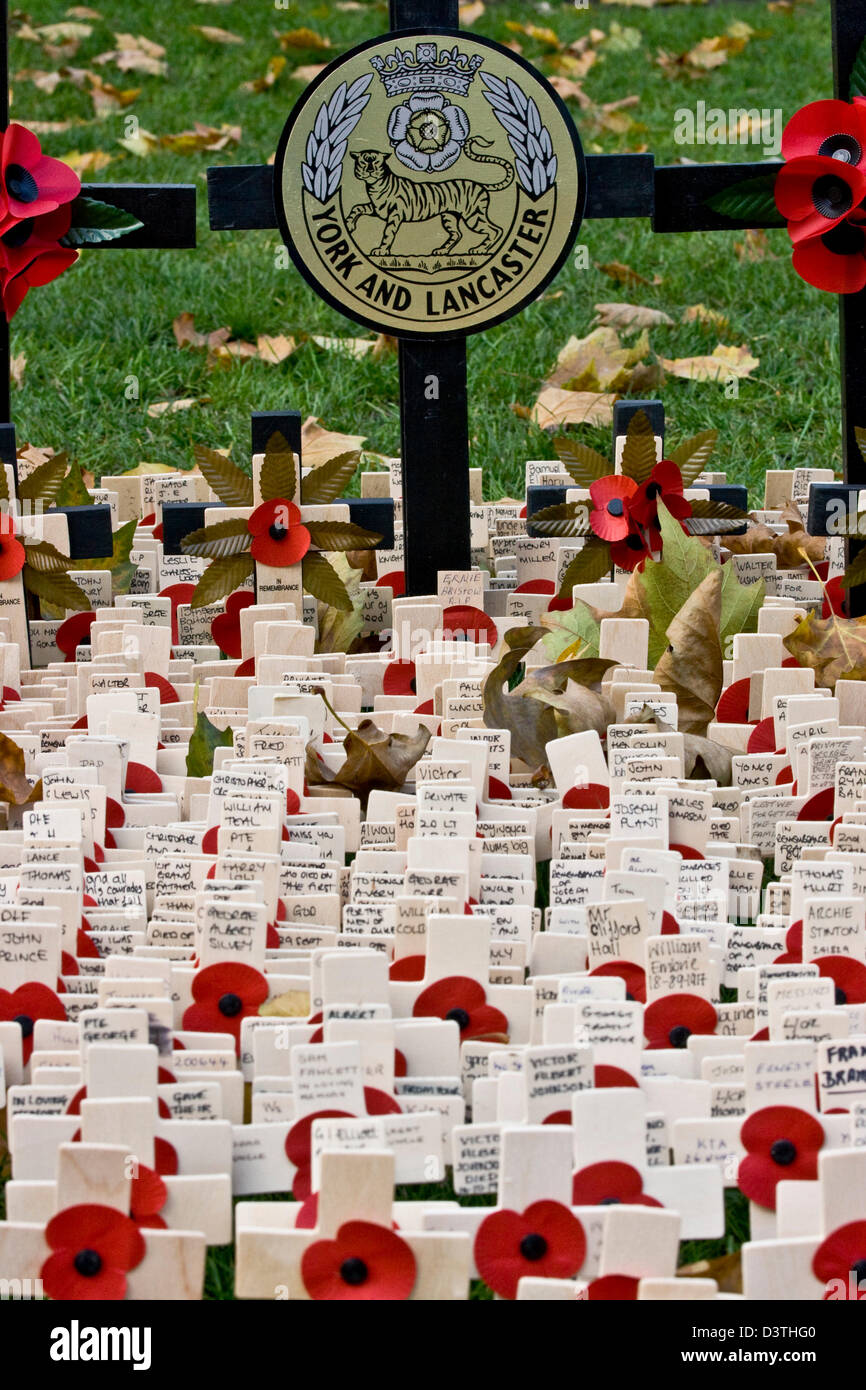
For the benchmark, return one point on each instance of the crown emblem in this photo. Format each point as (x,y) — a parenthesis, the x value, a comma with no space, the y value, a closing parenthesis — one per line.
(428,71)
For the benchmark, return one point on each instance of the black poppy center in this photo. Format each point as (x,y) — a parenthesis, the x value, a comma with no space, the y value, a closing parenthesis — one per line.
(783,1152)
(630,998)
(844,240)
(841,996)
(230,1005)
(17,235)
(832,196)
(653,490)
(353,1271)
(21,184)
(88,1262)
(615,507)
(26,1024)
(842,147)
(533,1246)
(679,1036)
(858,1268)
(460,1017)
(278,532)
(610,1201)
(634,543)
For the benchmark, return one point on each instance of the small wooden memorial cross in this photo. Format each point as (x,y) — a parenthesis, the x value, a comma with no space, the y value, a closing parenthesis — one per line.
(433,395)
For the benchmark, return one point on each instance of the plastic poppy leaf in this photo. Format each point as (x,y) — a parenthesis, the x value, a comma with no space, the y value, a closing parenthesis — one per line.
(73,490)
(279,476)
(691,667)
(56,588)
(750,201)
(230,484)
(834,647)
(592,562)
(44,556)
(531,723)
(374,760)
(329,481)
(341,535)
(218,541)
(322,581)
(639,449)
(43,484)
(222,577)
(14,786)
(692,456)
(717,511)
(118,562)
(563,519)
(582,464)
(204,741)
(94,221)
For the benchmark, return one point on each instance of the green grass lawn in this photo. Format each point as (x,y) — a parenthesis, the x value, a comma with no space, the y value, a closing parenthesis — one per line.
(110,317)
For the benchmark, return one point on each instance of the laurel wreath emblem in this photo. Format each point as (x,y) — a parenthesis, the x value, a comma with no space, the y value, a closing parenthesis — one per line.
(328,140)
(518,114)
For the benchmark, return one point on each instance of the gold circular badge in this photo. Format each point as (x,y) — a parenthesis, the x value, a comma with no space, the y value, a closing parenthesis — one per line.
(429,184)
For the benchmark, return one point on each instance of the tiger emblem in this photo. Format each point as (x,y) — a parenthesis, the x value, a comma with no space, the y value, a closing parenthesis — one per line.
(462,204)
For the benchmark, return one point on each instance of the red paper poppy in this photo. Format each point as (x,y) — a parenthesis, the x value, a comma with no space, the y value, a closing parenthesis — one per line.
(632,550)
(848,975)
(670,925)
(377,1102)
(536,586)
(685,851)
(399,678)
(23,241)
(33,183)
(225,995)
(665,484)
(165,1159)
(93,1247)
(12,553)
(298,1149)
(177,594)
(408,968)
(821,806)
(395,581)
(815,194)
(613,1288)
(733,706)
(607,1184)
(148,1197)
(279,538)
(834,598)
(463,1001)
(497,790)
(833,129)
(794,938)
(226,627)
(835,262)
(633,975)
(671,1020)
(142,779)
(606,1076)
(546,1241)
(166,691)
(44,268)
(841,1255)
(609,518)
(467,624)
(781,1143)
(73,633)
(595,796)
(762,739)
(24,1006)
(365,1262)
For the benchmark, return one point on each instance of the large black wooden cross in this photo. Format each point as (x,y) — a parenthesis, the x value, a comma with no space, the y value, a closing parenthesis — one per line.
(435,444)
(167,212)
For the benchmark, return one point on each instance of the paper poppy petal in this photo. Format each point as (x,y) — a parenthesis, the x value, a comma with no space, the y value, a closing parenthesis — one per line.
(210,984)
(408,968)
(389,1264)
(104,1229)
(613,1288)
(677,1011)
(827,270)
(474,622)
(809,127)
(634,977)
(606,1182)
(848,975)
(62,1282)
(605,1076)
(501,1254)
(399,678)
(840,1252)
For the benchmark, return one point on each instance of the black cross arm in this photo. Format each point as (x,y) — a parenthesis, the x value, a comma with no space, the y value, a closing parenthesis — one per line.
(674,196)
(167,211)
